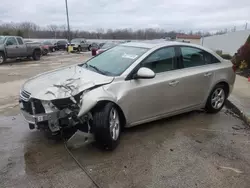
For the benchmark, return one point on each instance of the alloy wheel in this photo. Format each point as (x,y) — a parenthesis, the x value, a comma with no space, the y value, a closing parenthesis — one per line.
(218,98)
(114,124)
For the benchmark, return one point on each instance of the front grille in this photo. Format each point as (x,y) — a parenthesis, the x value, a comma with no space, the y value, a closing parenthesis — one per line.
(27,106)
(24,95)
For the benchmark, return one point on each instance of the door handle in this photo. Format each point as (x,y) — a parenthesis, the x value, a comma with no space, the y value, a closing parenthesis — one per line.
(173,83)
(208,74)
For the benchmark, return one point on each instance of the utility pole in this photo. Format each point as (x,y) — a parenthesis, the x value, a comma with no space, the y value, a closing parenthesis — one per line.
(246,26)
(66,2)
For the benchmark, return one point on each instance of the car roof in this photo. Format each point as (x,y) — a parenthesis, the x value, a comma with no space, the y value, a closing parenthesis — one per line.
(157,43)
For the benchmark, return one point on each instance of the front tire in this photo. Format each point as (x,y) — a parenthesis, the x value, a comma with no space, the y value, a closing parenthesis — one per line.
(79,48)
(216,99)
(2,58)
(107,126)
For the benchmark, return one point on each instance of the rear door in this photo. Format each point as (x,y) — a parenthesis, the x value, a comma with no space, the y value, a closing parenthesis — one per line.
(22,49)
(11,47)
(196,75)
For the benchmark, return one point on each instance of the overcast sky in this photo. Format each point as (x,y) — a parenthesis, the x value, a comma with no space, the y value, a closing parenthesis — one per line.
(92,14)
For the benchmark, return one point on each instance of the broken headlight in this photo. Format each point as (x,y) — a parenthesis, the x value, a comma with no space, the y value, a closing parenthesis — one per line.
(67,102)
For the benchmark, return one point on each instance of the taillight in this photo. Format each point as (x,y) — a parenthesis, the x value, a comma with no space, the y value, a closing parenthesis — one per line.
(234,67)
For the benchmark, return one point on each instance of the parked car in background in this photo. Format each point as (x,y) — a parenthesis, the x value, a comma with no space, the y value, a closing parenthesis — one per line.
(61,45)
(107,46)
(95,47)
(130,84)
(51,46)
(45,49)
(15,47)
(101,44)
(80,44)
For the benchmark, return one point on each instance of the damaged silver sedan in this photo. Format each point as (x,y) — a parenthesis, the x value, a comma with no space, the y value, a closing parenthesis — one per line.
(130,84)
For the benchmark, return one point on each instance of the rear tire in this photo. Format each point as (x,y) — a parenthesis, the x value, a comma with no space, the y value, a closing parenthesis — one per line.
(216,99)
(36,55)
(107,126)
(2,58)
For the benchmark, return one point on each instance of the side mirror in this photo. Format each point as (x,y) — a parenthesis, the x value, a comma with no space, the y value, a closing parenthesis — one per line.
(144,73)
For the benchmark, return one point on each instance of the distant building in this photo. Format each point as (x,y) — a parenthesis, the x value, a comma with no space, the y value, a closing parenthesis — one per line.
(228,43)
(195,39)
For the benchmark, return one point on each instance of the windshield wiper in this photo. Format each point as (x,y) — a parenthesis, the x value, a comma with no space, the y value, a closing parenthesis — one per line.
(98,70)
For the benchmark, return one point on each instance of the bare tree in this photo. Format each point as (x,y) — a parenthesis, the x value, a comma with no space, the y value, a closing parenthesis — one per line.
(54,29)
(32,30)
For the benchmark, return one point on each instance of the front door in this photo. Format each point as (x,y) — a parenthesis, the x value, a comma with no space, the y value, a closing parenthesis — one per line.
(22,49)
(149,98)
(11,47)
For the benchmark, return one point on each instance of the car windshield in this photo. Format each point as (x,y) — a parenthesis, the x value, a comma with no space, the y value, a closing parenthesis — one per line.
(115,61)
(47,43)
(2,39)
(62,42)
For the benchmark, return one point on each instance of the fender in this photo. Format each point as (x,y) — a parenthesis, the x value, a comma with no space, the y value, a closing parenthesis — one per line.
(4,52)
(92,97)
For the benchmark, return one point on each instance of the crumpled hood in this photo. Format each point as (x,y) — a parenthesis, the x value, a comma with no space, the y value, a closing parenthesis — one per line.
(64,82)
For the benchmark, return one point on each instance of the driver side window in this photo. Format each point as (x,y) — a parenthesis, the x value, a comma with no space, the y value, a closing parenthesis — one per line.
(11,41)
(161,60)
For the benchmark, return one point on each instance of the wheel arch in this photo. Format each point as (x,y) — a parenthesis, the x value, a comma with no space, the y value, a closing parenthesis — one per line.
(3,52)
(94,99)
(37,49)
(225,83)
(101,103)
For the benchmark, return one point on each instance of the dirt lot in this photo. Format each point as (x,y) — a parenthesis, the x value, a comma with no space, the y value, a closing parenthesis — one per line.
(190,150)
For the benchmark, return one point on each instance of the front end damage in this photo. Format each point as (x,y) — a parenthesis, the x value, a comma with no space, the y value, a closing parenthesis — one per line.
(59,115)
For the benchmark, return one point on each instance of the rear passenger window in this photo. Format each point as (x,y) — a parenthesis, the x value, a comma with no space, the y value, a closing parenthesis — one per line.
(210,59)
(20,41)
(193,57)
(161,60)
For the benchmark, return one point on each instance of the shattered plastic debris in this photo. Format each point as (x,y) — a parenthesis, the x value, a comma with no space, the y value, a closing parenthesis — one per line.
(80,139)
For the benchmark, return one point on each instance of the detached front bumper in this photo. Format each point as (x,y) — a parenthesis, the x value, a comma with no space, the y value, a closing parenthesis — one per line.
(52,119)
